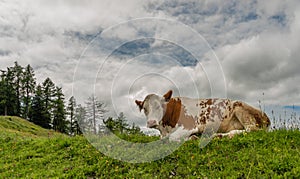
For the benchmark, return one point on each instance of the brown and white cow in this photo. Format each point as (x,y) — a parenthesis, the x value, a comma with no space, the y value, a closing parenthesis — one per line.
(181,117)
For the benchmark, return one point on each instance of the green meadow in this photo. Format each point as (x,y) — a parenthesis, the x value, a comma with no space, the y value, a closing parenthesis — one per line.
(29,151)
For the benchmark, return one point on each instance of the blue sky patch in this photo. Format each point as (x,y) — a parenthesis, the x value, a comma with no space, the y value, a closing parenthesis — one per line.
(293,107)
(144,46)
(280,19)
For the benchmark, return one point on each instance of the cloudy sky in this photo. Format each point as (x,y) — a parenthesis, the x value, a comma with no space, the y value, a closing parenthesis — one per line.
(123,50)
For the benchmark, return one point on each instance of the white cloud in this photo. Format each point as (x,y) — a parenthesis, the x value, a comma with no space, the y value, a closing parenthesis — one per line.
(37,32)
(265,63)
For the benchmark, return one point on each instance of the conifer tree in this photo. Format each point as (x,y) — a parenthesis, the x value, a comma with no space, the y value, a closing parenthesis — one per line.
(11,99)
(48,93)
(122,123)
(16,74)
(119,124)
(38,111)
(59,113)
(28,86)
(4,98)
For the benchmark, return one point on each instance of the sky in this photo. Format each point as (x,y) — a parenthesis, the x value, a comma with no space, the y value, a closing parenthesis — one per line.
(124,50)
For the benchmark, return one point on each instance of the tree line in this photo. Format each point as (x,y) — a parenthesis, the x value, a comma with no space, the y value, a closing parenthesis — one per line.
(44,104)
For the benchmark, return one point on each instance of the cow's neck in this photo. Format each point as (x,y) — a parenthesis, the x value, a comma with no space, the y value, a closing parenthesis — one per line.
(172,112)
(176,114)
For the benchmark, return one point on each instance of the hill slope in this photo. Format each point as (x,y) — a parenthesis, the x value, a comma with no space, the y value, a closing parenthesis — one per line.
(32,154)
(18,127)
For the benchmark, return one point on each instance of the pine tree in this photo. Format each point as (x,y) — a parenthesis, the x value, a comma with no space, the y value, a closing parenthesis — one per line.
(119,124)
(3,94)
(38,113)
(48,93)
(71,112)
(16,73)
(109,124)
(76,129)
(28,86)
(59,119)
(11,99)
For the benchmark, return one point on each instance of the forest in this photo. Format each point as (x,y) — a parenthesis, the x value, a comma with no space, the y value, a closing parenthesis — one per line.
(45,105)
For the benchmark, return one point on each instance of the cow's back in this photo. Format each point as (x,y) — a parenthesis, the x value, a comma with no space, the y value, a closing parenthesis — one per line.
(225,112)
(205,111)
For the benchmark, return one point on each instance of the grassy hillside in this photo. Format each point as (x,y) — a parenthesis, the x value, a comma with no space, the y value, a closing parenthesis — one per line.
(28,151)
(19,128)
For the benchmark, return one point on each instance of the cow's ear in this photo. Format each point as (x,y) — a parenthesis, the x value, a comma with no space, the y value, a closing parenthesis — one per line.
(139,103)
(168,95)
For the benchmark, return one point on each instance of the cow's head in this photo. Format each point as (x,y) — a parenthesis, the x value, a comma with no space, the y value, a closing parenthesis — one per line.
(154,107)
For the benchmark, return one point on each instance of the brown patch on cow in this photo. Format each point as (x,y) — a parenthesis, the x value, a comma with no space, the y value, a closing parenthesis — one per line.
(202,104)
(203,120)
(208,111)
(237,104)
(172,112)
(209,102)
(227,102)
(203,117)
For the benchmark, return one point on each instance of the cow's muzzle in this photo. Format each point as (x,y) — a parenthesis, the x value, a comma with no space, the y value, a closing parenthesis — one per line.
(152,123)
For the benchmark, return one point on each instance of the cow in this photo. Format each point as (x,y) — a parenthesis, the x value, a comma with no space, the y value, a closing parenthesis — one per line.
(181,117)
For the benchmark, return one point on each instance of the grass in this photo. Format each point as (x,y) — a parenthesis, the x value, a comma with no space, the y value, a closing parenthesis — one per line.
(28,151)
(19,128)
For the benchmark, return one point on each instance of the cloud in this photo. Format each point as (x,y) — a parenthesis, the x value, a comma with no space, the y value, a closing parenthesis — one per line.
(52,35)
(267,63)
(230,21)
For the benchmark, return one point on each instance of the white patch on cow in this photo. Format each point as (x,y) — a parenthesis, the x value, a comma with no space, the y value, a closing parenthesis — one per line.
(181,134)
(190,106)
(153,109)
(224,108)
(155,112)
